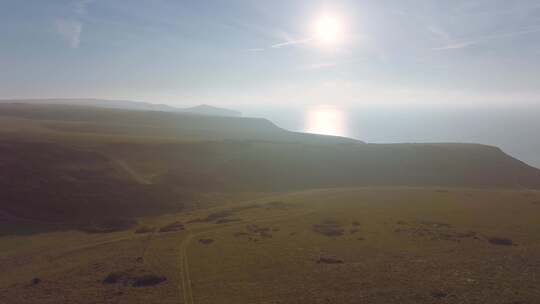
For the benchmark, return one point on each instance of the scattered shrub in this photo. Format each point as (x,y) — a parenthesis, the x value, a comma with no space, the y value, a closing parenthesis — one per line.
(145,229)
(176,226)
(238,234)
(216,216)
(439,294)
(113,278)
(226,220)
(108,225)
(206,241)
(128,278)
(148,280)
(500,241)
(329,228)
(277,205)
(327,260)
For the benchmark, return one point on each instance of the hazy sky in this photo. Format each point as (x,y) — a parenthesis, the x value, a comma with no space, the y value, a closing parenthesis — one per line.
(231,52)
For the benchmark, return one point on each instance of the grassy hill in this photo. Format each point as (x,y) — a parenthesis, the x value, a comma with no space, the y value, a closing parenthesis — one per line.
(356,245)
(152,125)
(77,163)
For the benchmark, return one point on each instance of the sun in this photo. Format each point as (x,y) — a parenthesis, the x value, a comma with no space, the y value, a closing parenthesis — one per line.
(329,30)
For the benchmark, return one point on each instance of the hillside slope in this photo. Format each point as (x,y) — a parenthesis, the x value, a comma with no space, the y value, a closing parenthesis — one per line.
(60,162)
(267,166)
(82,120)
(57,183)
(125,105)
(212,111)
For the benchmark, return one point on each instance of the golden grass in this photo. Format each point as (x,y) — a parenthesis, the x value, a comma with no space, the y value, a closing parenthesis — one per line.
(412,245)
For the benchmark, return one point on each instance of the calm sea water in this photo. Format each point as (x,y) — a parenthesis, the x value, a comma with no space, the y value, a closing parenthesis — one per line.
(516,130)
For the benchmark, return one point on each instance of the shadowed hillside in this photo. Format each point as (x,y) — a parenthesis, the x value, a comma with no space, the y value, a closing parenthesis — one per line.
(61,162)
(57,183)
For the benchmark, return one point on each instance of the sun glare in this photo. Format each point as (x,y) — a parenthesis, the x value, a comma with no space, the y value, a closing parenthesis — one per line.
(329,30)
(325,120)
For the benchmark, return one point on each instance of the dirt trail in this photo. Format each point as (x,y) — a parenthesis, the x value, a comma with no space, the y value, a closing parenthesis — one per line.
(135,175)
(184,270)
(184,263)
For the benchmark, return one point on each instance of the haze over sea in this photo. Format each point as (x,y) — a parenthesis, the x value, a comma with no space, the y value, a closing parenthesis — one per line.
(512,128)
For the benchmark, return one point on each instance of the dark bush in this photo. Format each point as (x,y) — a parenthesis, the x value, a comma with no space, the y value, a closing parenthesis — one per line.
(329,228)
(439,294)
(206,241)
(176,226)
(113,278)
(145,229)
(108,225)
(327,260)
(500,241)
(148,280)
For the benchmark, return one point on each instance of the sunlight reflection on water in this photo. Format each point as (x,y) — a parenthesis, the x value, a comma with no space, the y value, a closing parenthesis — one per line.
(326,119)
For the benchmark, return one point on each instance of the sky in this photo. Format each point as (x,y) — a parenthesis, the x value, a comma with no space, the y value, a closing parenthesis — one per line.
(272,52)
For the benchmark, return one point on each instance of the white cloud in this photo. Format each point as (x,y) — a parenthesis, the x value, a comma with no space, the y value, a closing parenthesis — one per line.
(439,33)
(70,30)
(80,8)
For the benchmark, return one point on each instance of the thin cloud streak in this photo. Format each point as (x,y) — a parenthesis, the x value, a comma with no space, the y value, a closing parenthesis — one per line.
(457,45)
(467,43)
(292,42)
(80,8)
(70,31)
(282,44)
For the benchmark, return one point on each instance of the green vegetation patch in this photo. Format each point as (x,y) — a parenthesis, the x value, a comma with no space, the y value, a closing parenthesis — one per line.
(206,241)
(172,227)
(329,228)
(136,280)
(329,260)
(277,205)
(434,231)
(108,225)
(145,229)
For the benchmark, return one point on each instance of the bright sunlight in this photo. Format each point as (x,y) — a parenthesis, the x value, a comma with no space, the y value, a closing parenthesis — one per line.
(326,120)
(329,30)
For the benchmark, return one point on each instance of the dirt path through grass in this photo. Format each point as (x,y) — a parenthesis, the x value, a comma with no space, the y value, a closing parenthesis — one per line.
(135,175)
(184,263)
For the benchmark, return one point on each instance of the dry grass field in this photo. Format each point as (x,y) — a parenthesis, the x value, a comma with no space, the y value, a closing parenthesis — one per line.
(348,245)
